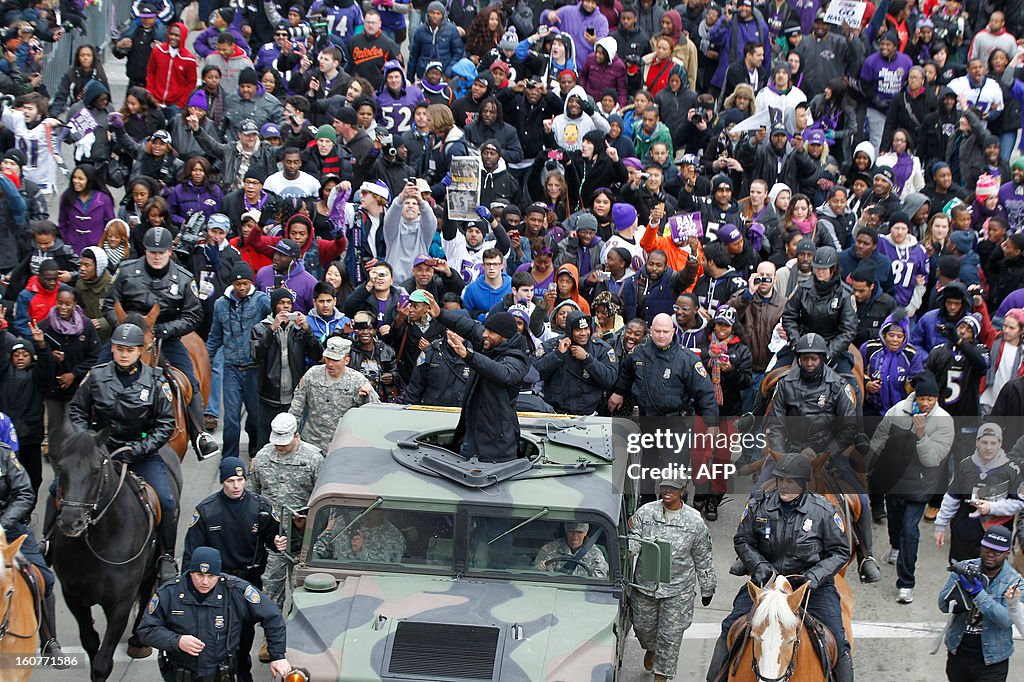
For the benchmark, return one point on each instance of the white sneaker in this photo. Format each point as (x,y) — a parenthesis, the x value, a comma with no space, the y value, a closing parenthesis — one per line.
(905,596)
(892,557)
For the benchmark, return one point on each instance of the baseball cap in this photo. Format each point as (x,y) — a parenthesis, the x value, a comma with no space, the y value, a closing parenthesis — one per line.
(249,127)
(990,429)
(288,247)
(677,483)
(885,173)
(161,135)
(337,348)
(577,527)
(268,130)
(419,296)
(728,233)
(997,538)
(284,425)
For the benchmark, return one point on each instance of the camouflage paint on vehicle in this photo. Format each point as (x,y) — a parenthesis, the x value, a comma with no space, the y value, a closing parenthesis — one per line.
(456,617)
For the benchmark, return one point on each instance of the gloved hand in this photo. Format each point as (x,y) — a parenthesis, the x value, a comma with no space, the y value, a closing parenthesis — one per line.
(587,105)
(971,586)
(705,601)
(812,582)
(761,574)
(755,234)
(161,332)
(484,213)
(115,119)
(447,179)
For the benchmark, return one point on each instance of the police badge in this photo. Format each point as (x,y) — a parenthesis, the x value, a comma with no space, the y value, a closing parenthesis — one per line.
(218,622)
(667,374)
(808,524)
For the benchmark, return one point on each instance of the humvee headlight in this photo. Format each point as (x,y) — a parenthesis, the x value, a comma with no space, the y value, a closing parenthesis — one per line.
(296,676)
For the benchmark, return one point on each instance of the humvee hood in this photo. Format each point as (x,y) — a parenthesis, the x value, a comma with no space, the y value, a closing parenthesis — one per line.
(420,627)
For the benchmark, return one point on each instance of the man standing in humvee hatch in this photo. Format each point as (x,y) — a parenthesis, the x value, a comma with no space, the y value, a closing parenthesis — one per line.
(488,426)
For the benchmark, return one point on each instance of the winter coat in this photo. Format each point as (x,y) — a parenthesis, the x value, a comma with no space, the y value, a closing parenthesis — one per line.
(80,354)
(172,78)
(83,226)
(596,78)
(262,108)
(265,344)
(229,156)
(759,316)
(442,44)
(186,198)
(233,322)
(828,313)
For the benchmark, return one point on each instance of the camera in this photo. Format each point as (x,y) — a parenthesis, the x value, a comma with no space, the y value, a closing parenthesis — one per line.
(762,280)
(190,234)
(968,570)
(293,316)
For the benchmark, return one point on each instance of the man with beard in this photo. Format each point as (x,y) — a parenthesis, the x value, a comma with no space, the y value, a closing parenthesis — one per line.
(488,426)
(649,291)
(577,368)
(489,125)
(823,306)
(1011,195)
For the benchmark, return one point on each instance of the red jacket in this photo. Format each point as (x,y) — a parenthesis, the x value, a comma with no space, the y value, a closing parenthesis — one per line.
(171,79)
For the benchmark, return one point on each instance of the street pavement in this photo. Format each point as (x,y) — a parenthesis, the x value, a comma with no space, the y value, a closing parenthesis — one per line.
(891,641)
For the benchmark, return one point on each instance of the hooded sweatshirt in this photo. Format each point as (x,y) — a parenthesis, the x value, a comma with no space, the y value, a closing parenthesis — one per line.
(573,272)
(573,20)
(895,369)
(569,131)
(395,109)
(229,68)
(596,78)
(172,73)
(909,260)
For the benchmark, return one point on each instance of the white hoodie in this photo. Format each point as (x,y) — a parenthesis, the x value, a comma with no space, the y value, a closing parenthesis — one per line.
(568,131)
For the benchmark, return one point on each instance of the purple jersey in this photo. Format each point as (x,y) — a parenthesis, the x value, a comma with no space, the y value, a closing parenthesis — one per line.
(1011,197)
(907,263)
(890,77)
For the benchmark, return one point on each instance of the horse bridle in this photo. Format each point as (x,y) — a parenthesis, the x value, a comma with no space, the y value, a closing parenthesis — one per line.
(5,624)
(790,669)
(91,507)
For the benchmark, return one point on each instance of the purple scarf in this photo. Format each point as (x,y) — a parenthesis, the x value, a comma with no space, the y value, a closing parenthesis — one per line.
(73,327)
(901,171)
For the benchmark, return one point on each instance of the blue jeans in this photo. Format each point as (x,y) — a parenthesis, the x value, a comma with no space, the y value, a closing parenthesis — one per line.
(904,518)
(240,389)
(823,604)
(216,381)
(30,550)
(1006,143)
(748,394)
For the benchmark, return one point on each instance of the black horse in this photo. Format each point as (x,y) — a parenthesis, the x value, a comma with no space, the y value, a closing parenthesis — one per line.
(105,553)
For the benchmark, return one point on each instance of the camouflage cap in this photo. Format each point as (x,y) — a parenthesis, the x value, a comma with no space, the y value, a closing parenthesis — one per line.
(577,527)
(677,483)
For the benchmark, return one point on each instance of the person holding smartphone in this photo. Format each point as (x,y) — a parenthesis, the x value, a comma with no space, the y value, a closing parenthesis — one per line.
(584,22)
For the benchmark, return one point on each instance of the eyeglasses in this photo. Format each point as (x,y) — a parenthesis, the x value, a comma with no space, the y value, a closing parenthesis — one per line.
(681,308)
(281,34)
(492,265)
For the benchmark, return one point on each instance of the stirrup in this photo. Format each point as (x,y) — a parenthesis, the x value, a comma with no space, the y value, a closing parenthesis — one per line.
(205,446)
(167,569)
(869,570)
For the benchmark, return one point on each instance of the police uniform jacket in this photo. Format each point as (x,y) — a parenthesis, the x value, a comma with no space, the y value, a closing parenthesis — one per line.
(16,495)
(577,386)
(667,382)
(140,416)
(811,540)
(174,291)
(830,314)
(216,620)
(811,414)
(242,530)
(439,378)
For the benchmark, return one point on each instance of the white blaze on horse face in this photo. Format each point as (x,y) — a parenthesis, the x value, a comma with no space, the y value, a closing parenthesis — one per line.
(774,614)
(770,663)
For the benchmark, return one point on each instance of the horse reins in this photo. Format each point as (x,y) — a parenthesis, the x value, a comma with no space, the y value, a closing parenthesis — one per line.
(790,669)
(91,507)
(5,625)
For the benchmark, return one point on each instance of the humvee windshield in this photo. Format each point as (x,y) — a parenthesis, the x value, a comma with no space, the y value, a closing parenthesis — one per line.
(527,547)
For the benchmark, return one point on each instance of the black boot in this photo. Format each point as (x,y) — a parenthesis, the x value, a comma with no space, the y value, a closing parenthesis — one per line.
(719,660)
(869,571)
(49,520)
(205,445)
(167,569)
(49,646)
(843,672)
(711,507)
(699,501)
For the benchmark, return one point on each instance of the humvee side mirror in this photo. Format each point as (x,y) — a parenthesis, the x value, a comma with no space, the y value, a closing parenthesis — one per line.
(655,561)
(288,518)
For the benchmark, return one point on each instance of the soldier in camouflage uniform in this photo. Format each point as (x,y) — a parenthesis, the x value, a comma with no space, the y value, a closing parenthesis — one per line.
(284,471)
(661,612)
(554,555)
(373,539)
(326,392)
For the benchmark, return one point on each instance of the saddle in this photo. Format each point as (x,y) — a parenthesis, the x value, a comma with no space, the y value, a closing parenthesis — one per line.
(33,577)
(146,495)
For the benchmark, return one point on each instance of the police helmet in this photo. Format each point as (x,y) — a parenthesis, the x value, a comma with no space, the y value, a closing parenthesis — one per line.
(811,343)
(218,221)
(825,257)
(795,466)
(157,239)
(128,334)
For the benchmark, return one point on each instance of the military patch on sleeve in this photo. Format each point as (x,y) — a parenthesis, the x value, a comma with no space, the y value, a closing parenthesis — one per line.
(195,518)
(252,595)
(611,355)
(631,523)
(195,290)
(849,394)
(274,515)
(421,358)
(153,603)
(839,522)
(166,389)
(699,367)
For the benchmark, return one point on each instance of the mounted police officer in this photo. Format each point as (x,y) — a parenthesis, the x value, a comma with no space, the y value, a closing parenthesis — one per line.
(17,498)
(814,407)
(822,305)
(790,531)
(133,400)
(577,368)
(242,526)
(155,279)
(196,622)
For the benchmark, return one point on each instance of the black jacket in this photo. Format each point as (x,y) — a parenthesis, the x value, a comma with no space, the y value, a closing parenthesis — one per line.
(488,426)
(265,346)
(144,406)
(241,530)
(405,337)
(667,382)
(871,315)
(16,495)
(761,161)
(817,414)
(22,392)
(440,377)
(576,386)
(829,314)
(80,354)
(174,290)
(810,540)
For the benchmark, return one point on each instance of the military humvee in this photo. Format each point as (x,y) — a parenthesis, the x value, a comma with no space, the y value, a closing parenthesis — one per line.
(416,564)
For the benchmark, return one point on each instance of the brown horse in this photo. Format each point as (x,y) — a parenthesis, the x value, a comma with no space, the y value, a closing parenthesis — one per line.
(772,650)
(19,622)
(179,441)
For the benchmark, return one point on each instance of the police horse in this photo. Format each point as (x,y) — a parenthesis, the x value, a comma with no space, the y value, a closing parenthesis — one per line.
(775,643)
(19,614)
(106,550)
(182,392)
